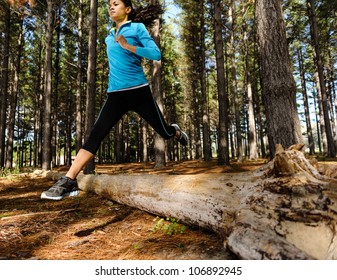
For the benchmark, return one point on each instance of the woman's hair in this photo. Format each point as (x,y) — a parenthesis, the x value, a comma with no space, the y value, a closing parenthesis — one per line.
(145,15)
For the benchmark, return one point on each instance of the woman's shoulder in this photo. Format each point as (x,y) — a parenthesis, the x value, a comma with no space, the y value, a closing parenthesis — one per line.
(138,25)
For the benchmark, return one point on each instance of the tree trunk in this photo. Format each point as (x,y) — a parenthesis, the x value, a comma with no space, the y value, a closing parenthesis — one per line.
(159,142)
(331,151)
(68,128)
(4,81)
(252,139)
(317,109)
(91,79)
(196,118)
(223,144)
(144,129)
(118,142)
(79,78)
(320,117)
(205,115)
(47,131)
(251,119)
(284,210)
(331,95)
(14,98)
(233,87)
(55,143)
(260,125)
(278,84)
(306,102)
(38,86)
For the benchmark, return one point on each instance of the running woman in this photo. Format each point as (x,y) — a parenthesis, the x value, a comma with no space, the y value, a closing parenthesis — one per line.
(128,89)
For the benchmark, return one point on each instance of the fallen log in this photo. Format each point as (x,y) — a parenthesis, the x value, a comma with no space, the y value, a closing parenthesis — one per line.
(284,210)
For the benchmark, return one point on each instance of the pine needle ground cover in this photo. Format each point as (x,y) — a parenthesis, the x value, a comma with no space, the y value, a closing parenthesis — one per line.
(92,227)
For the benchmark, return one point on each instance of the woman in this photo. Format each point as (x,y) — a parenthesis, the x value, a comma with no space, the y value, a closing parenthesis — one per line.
(128,89)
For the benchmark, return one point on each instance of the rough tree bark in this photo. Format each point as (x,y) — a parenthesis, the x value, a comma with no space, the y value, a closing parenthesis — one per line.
(223,141)
(277,81)
(47,101)
(79,76)
(91,78)
(331,151)
(305,101)
(206,138)
(13,100)
(159,143)
(5,47)
(234,82)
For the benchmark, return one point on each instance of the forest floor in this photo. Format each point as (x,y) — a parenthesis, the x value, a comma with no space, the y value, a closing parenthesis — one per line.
(90,227)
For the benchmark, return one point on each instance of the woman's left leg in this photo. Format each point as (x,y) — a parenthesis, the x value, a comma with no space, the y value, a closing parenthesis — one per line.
(147,108)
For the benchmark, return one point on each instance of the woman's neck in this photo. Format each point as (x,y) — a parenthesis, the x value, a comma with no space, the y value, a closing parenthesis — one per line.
(120,23)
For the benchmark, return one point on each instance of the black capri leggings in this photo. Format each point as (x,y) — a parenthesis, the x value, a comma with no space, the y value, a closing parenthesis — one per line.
(119,103)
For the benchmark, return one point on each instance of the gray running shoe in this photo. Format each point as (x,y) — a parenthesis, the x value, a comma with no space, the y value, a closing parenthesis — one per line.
(62,188)
(183,138)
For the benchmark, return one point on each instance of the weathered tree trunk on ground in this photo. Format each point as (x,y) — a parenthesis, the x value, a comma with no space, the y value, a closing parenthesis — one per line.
(284,210)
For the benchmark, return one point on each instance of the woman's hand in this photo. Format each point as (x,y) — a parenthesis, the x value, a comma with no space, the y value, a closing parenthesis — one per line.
(124,44)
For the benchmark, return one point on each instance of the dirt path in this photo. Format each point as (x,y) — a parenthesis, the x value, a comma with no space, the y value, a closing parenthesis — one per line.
(94,228)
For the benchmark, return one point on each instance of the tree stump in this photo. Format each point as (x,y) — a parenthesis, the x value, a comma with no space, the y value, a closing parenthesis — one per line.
(284,210)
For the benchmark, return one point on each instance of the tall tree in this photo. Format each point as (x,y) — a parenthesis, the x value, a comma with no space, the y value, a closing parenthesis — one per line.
(191,39)
(79,77)
(159,143)
(204,98)
(47,132)
(249,80)
(14,96)
(251,116)
(91,78)
(278,84)
(55,89)
(4,79)
(331,150)
(306,102)
(223,145)
(233,85)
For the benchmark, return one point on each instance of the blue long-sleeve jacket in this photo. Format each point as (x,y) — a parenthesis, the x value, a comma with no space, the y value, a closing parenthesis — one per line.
(125,67)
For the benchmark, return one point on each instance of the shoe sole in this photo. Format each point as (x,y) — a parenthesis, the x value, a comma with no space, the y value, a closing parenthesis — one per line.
(184,138)
(73,193)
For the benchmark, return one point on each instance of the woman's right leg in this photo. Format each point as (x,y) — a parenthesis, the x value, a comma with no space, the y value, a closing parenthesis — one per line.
(82,158)
(112,111)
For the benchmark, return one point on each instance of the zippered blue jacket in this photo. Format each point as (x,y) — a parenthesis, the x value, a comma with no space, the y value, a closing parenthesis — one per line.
(125,67)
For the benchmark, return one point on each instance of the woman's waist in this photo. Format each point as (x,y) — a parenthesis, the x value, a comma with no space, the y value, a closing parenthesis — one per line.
(129,88)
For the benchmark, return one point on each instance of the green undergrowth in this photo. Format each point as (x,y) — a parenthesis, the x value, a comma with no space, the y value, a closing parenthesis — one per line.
(169,226)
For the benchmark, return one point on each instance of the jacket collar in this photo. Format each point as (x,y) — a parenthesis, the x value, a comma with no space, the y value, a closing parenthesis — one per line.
(113,29)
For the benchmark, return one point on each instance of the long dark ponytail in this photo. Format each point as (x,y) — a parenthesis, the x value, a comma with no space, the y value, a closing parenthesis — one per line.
(145,15)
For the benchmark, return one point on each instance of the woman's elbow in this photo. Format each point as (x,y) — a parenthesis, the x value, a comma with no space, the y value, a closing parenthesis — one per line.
(156,55)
